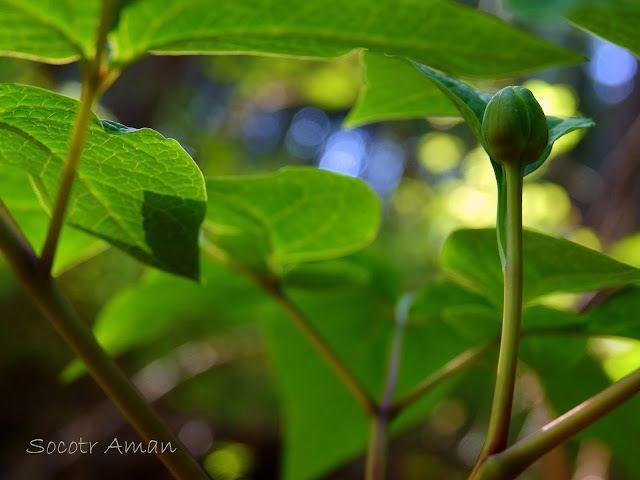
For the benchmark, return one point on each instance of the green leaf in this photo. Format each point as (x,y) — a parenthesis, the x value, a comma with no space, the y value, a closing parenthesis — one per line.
(31,215)
(395,90)
(49,31)
(291,216)
(440,33)
(357,320)
(570,376)
(148,311)
(614,20)
(137,190)
(550,265)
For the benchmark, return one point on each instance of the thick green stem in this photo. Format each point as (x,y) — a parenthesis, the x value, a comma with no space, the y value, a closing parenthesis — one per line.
(500,419)
(91,87)
(273,289)
(513,461)
(57,309)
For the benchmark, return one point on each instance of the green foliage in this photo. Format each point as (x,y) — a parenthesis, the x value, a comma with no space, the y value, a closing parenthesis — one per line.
(615,20)
(49,31)
(471,104)
(297,233)
(393,89)
(427,31)
(295,215)
(137,190)
(30,214)
(148,311)
(553,265)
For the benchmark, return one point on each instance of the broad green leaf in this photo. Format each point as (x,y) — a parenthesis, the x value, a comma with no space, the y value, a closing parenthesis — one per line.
(30,214)
(614,20)
(48,30)
(440,33)
(393,89)
(358,323)
(162,305)
(137,190)
(550,265)
(570,376)
(291,216)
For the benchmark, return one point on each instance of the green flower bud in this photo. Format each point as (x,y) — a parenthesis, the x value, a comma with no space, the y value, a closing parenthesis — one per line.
(514,128)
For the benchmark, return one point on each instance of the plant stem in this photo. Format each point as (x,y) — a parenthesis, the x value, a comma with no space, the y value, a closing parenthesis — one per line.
(57,309)
(377,450)
(515,459)
(451,368)
(91,80)
(498,431)
(378,440)
(273,288)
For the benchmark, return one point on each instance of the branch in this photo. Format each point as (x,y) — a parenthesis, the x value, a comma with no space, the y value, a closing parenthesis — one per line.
(515,459)
(57,309)
(91,85)
(451,368)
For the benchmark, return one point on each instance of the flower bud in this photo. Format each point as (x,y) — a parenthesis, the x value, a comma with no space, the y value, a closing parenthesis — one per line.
(514,128)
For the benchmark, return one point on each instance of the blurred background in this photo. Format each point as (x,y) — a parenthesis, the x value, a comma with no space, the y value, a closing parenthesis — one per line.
(239,115)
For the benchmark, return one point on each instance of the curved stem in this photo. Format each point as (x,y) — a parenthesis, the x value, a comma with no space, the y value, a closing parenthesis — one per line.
(515,459)
(273,288)
(500,418)
(451,368)
(378,438)
(91,81)
(57,309)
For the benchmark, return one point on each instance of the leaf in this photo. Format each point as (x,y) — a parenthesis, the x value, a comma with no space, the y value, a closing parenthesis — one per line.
(28,211)
(149,311)
(357,320)
(49,31)
(614,20)
(291,216)
(550,265)
(137,190)
(570,376)
(440,33)
(357,323)
(395,90)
